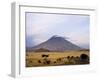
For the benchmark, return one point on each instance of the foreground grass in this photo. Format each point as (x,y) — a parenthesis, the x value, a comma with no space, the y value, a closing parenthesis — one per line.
(34,59)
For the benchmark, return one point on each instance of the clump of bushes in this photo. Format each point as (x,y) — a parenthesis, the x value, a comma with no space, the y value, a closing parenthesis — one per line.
(84,58)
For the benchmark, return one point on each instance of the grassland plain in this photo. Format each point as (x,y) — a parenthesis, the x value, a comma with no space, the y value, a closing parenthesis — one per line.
(36,59)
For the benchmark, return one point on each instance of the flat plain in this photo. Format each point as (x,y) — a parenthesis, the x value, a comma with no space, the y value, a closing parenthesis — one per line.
(36,59)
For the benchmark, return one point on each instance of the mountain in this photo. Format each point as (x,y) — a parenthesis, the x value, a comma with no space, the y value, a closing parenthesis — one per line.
(56,43)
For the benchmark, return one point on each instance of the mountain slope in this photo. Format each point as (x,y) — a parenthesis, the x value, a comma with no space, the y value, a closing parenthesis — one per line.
(57,43)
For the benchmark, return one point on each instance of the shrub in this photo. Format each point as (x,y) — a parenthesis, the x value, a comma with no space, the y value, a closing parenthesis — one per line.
(39,61)
(45,55)
(84,58)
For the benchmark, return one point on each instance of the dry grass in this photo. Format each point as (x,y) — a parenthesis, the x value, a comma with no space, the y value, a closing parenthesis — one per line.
(36,59)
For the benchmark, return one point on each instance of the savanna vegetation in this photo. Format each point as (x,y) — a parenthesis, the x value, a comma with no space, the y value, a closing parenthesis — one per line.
(54,58)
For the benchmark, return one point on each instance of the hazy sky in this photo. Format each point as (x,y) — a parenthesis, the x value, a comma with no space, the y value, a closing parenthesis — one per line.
(40,27)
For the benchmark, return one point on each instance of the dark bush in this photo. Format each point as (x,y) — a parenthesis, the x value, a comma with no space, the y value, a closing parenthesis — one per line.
(45,55)
(54,61)
(39,61)
(59,59)
(72,57)
(84,58)
(68,57)
(48,62)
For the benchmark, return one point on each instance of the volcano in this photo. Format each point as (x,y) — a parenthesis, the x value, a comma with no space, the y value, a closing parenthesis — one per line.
(56,43)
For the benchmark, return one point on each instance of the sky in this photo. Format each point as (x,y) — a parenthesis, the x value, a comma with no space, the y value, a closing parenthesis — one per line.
(42,26)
